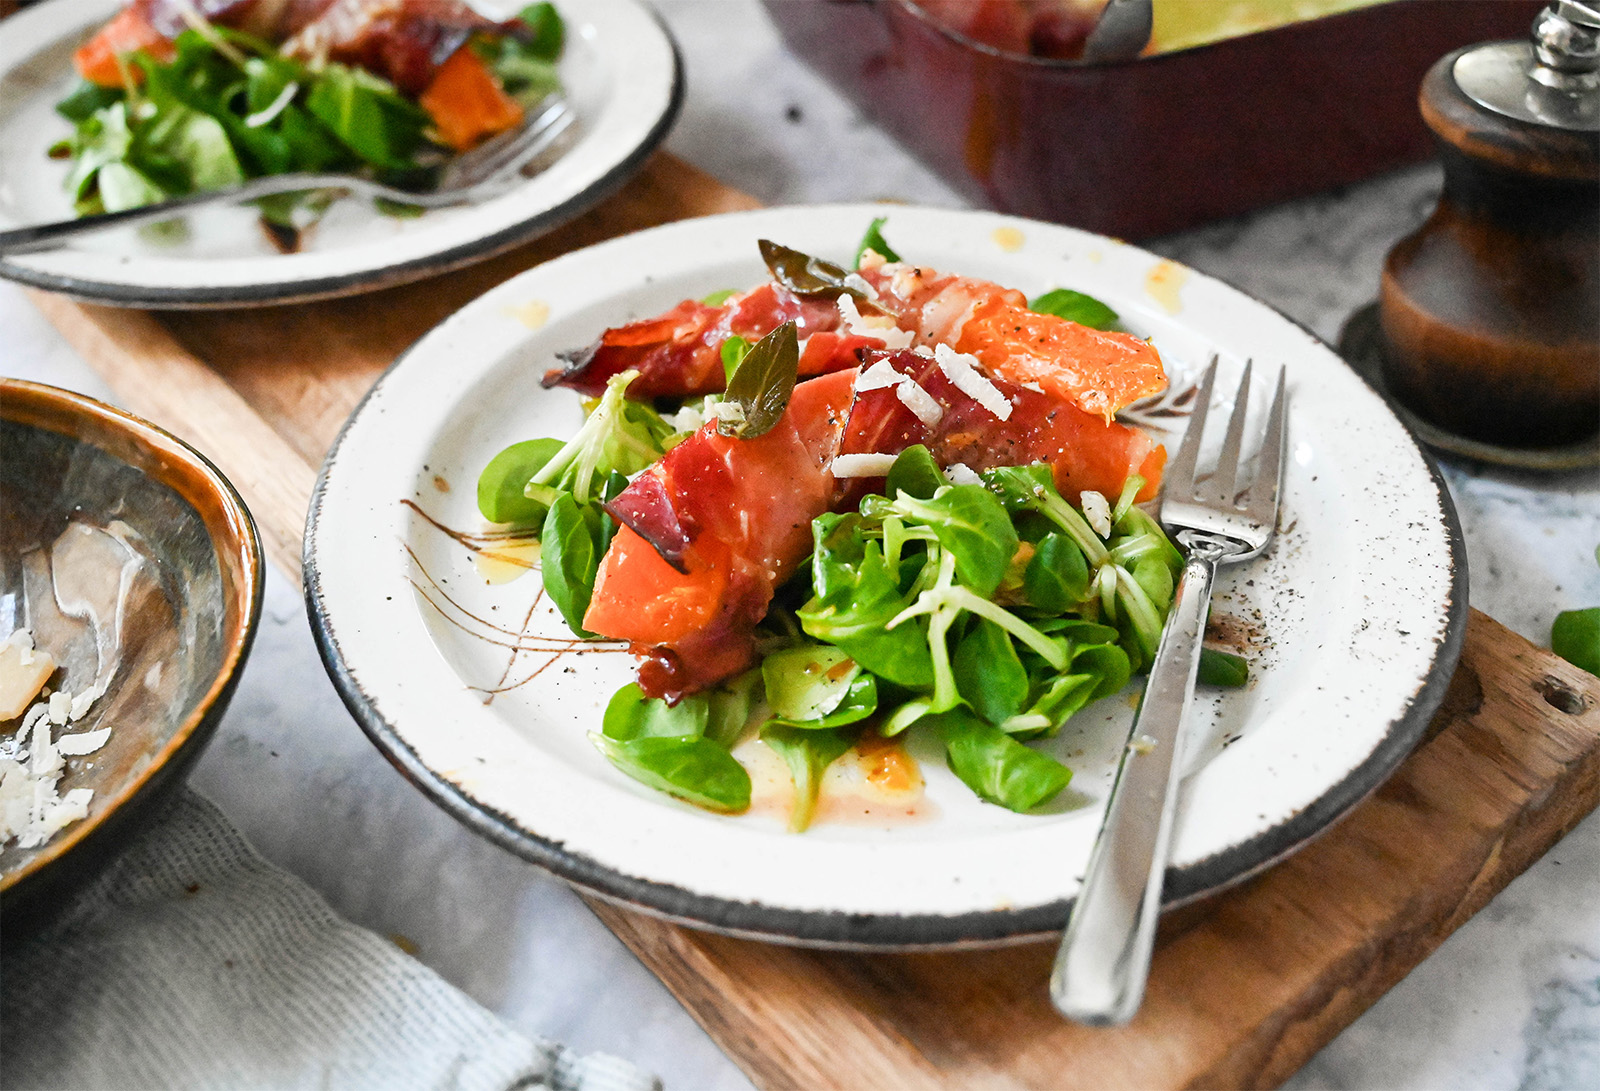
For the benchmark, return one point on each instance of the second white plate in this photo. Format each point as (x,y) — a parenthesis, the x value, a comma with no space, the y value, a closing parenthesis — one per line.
(623,78)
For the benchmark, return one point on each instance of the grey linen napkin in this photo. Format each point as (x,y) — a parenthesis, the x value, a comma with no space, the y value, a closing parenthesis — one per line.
(194,963)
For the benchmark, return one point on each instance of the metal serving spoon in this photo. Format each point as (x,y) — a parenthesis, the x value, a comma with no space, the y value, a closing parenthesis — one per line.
(1122,31)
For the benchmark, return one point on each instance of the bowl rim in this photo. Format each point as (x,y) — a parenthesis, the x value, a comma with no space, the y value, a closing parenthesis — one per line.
(233,536)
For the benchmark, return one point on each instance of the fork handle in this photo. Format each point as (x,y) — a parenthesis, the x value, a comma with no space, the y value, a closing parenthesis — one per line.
(1104,959)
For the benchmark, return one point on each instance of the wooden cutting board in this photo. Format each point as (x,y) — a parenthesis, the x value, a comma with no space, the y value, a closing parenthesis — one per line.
(1245,987)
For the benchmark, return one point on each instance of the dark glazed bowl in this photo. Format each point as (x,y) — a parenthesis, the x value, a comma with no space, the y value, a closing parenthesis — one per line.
(1157,144)
(118,540)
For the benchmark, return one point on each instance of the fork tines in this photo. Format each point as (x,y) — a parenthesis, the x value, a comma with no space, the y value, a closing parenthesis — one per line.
(1222,487)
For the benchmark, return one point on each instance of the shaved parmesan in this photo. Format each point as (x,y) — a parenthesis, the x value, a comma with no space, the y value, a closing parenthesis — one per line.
(911,394)
(960,473)
(919,401)
(867,465)
(31,811)
(78,743)
(880,326)
(878,376)
(962,370)
(82,701)
(1096,511)
(691,417)
(23,673)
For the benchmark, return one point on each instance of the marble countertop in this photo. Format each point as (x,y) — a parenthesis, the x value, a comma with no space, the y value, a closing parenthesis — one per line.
(1511,1000)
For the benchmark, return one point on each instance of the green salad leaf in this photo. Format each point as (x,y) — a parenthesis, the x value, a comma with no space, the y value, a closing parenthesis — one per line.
(526,65)
(88,98)
(989,672)
(501,485)
(694,769)
(1575,637)
(572,542)
(874,240)
(996,766)
(915,473)
(549,32)
(807,753)
(1219,668)
(631,715)
(368,116)
(732,353)
(618,436)
(681,749)
(857,596)
(1076,307)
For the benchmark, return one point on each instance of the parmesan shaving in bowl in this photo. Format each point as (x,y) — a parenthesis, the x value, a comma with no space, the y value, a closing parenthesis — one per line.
(31,810)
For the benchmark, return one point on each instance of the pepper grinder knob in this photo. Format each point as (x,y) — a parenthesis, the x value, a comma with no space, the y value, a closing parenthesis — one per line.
(1490,311)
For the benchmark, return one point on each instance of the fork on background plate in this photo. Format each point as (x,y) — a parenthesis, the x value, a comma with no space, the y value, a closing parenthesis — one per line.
(483,173)
(1104,959)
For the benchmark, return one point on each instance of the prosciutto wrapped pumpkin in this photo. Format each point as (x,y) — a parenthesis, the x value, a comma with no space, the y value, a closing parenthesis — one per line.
(710,531)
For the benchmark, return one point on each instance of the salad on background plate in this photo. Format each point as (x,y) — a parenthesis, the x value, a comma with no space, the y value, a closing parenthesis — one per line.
(890,599)
(182,96)
(166,97)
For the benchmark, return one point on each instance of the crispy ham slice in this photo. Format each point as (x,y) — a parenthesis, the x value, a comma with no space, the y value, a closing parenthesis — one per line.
(1099,371)
(1085,452)
(679,354)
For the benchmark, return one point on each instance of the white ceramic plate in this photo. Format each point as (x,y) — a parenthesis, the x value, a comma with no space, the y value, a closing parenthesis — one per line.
(1356,613)
(623,78)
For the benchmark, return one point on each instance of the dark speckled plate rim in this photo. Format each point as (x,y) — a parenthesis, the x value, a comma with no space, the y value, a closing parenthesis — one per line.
(175,458)
(389,276)
(887,931)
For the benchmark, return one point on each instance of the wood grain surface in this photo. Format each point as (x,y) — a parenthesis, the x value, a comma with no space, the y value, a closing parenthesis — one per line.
(1245,987)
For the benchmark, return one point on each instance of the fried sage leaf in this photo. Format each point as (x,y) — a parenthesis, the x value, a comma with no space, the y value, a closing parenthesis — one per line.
(812,277)
(762,383)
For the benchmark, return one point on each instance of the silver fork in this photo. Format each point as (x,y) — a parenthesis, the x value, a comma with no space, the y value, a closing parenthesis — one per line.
(478,175)
(1104,960)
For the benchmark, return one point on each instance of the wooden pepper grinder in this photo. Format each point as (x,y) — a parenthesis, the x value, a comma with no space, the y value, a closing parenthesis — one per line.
(1490,312)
